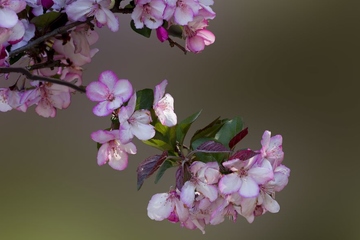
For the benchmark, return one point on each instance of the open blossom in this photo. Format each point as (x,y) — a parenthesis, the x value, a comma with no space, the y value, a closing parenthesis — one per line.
(204,181)
(246,176)
(164,105)
(100,9)
(197,36)
(148,13)
(272,148)
(167,206)
(135,122)
(48,98)
(77,49)
(112,151)
(110,91)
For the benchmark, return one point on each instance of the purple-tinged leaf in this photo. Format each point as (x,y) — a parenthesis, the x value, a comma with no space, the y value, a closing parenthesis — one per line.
(148,167)
(238,137)
(244,154)
(212,147)
(182,175)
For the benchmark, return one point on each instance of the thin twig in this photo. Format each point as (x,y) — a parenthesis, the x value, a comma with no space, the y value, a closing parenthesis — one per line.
(41,39)
(173,43)
(40,78)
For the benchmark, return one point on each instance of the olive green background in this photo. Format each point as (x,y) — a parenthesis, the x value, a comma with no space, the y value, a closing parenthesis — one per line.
(291,67)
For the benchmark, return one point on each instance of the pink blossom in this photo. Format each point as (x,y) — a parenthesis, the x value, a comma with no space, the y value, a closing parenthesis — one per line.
(197,37)
(48,97)
(110,92)
(246,177)
(185,11)
(112,151)
(135,122)
(203,181)
(148,13)
(272,148)
(100,9)
(77,50)
(164,105)
(167,206)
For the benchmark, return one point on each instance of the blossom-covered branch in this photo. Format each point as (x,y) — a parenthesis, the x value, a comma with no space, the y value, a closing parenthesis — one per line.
(41,78)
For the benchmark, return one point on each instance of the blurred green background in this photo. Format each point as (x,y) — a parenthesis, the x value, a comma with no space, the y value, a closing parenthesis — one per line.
(291,67)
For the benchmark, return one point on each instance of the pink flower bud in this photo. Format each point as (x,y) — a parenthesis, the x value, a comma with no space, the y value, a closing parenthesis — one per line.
(162,34)
(47,3)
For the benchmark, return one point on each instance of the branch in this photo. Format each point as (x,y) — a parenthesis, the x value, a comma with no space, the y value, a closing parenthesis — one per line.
(41,39)
(40,78)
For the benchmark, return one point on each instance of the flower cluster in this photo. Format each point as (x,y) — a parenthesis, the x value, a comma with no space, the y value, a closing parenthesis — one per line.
(116,97)
(240,186)
(191,15)
(69,29)
(54,40)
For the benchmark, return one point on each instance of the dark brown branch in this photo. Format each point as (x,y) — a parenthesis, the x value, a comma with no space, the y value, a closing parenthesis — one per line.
(173,43)
(40,78)
(41,39)
(49,64)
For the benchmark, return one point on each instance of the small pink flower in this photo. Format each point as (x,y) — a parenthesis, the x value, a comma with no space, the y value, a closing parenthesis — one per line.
(164,105)
(272,148)
(112,151)
(167,206)
(148,13)
(135,122)
(246,177)
(100,9)
(110,91)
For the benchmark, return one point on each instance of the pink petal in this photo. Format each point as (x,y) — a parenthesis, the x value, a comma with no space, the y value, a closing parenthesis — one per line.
(108,78)
(118,159)
(101,109)
(112,20)
(262,174)
(159,207)
(159,91)
(209,191)
(187,194)
(129,148)
(8,18)
(229,183)
(103,154)
(143,131)
(249,188)
(270,204)
(101,136)
(125,132)
(123,89)
(97,91)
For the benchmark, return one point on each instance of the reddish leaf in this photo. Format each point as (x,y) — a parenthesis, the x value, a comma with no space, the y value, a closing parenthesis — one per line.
(238,137)
(212,147)
(244,154)
(148,167)
(182,175)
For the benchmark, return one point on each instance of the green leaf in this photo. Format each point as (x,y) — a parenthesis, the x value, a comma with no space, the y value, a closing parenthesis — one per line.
(45,19)
(169,163)
(207,157)
(183,127)
(145,31)
(175,31)
(209,131)
(229,130)
(144,99)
